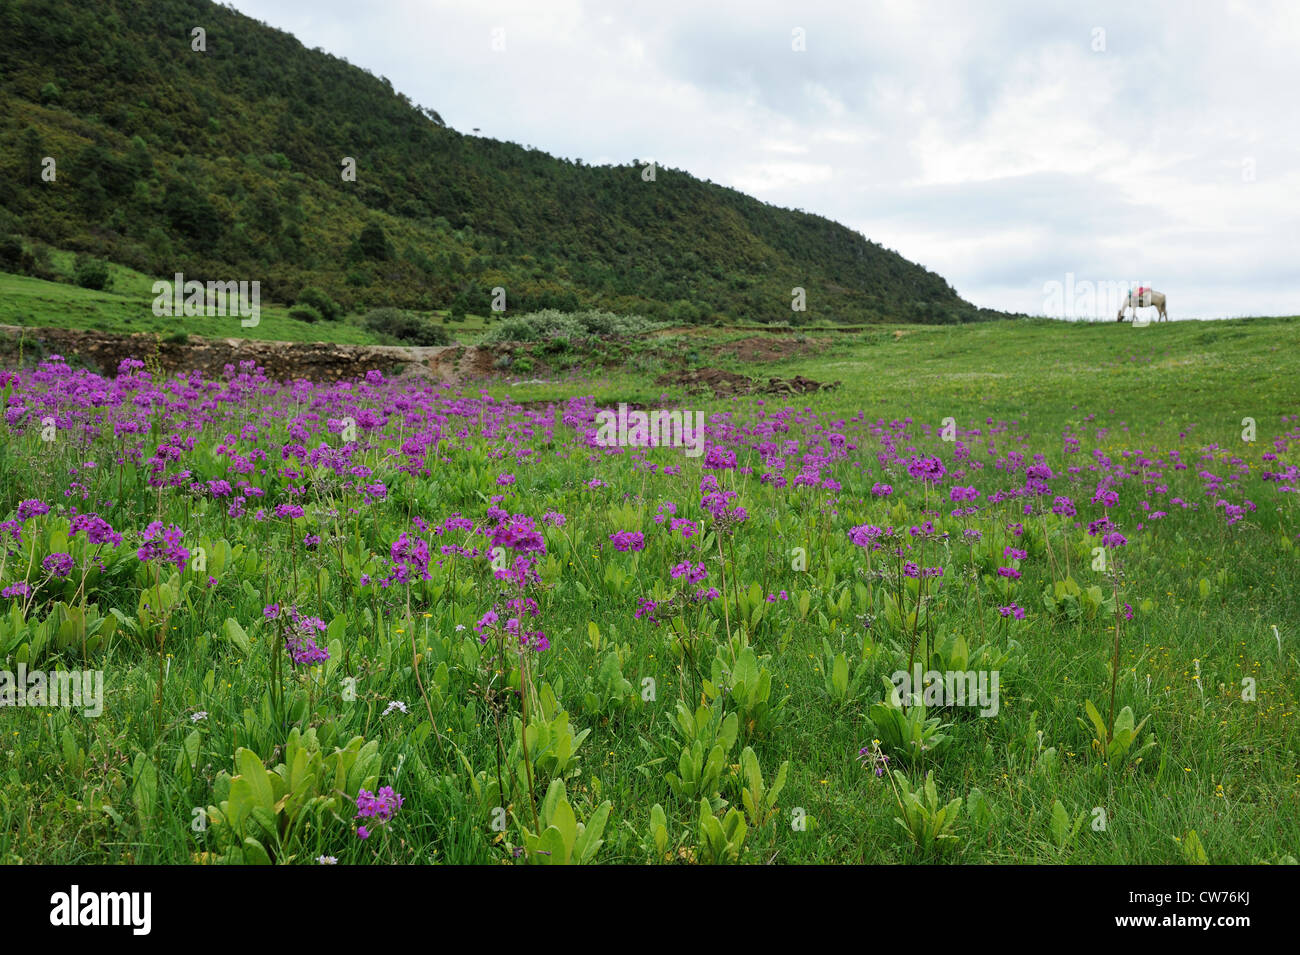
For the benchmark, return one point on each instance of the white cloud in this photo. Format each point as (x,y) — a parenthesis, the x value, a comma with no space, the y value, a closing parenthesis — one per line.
(994,145)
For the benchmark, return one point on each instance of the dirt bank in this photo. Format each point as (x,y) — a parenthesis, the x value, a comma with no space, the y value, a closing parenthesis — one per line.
(316,361)
(726,383)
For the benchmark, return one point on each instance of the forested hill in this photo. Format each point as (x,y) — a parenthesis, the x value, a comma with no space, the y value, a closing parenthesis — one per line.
(227,163)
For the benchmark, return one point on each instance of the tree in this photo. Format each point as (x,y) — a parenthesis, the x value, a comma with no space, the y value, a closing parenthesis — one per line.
(33,151)
(373,242)
(190,213)
(459,305)
(11,253)
(139,160)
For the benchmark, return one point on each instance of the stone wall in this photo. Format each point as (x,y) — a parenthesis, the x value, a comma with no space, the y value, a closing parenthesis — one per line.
(316,361)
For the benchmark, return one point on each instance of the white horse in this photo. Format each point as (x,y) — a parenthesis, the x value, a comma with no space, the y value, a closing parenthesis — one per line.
(1144,298)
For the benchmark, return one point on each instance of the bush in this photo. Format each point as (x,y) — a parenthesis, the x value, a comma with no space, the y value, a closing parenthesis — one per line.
(458,306)
(11,254)
(326,307)
(305,313)
(91,273)
(549,324)
(374,243)
(405,327)
(39,263)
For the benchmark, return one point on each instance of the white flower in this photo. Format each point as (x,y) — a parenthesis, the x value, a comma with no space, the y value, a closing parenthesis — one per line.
(394,705)
(327,860)
(200,715)
(460,627)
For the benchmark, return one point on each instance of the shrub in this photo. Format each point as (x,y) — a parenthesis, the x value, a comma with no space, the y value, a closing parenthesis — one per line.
(458,306)
(549,324)
(37,262)
(91,273)
(11,253)
(405,327)
(326,307)
(305,313)
(374,243)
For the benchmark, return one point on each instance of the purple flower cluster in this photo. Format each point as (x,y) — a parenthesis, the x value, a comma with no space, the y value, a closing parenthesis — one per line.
(518,608)
(911,569)
(32,508)
(694,574)
(929,470)
(410,561)
(726,514)
(628,541)
(58,565)
(1063,507)
(519,533)
(96,529)
(1105,497)
(300,640)
(377,808)
(164,543)
(868,536)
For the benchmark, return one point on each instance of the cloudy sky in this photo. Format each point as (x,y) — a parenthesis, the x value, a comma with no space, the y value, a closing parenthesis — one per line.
(1007,146)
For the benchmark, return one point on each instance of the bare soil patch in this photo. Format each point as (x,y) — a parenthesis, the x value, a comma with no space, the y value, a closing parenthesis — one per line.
(764,348)
(725,384)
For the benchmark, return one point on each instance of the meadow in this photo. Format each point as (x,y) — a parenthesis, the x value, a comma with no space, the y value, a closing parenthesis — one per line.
(126,307)
(388,621)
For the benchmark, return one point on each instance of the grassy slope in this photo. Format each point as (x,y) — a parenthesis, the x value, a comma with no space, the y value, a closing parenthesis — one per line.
(126,307)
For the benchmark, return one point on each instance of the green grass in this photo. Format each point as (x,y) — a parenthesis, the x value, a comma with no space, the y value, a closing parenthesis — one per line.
(126,307)
(1205,599)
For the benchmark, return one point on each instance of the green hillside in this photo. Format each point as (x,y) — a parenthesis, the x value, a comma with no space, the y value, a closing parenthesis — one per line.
(227,163)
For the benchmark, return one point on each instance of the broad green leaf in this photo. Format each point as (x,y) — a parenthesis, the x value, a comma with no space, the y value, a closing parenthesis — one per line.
(254,773)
